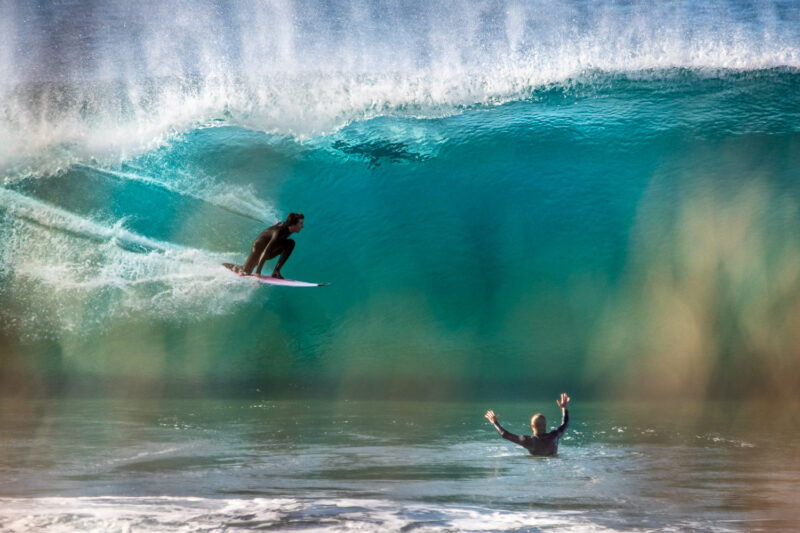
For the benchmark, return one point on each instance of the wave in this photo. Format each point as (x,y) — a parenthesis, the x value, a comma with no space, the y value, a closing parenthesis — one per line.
(147,235)
(138,153)
(130,78)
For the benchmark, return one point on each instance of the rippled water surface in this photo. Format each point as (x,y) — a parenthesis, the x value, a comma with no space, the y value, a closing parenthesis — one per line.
(194,464)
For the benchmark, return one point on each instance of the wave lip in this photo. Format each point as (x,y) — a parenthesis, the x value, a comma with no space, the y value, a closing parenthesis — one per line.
(35,141)
(130,77)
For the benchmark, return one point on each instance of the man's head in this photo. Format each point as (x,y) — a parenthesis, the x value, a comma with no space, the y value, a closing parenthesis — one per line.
(538,424)
(295,222)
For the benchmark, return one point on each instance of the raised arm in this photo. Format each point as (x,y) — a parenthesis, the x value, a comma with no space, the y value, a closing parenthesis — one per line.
(491,417)
(563,403)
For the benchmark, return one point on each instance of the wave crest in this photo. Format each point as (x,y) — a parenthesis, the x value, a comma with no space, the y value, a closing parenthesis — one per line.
(131,76)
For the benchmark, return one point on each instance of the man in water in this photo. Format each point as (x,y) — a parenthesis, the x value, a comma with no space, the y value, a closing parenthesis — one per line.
(272,242)
(540,443)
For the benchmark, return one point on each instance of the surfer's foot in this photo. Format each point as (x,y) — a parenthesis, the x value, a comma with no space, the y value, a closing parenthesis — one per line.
(277,275)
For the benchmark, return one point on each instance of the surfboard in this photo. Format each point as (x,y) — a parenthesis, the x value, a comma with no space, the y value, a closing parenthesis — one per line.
(269,280)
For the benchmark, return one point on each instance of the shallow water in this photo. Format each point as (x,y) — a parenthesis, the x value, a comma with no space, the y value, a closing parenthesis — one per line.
(187,465)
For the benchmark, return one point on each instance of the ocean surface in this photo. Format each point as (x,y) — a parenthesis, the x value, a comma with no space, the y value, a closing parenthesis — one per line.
(235,465)
(507,199)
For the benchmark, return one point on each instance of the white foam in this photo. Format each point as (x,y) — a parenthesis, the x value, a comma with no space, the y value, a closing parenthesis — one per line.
(78,273)
(178,514)
(44,214)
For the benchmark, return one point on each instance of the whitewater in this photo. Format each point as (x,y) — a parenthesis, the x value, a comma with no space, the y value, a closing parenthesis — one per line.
(507,199)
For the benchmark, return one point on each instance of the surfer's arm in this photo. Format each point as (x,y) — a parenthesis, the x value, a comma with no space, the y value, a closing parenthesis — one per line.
(491,417)
(513,437)
(563,403)
(564,420)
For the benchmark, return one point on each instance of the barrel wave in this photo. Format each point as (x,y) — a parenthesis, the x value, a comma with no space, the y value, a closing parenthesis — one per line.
(505,198)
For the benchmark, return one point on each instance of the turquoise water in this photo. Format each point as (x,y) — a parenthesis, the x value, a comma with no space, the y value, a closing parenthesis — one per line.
(542,236)
(507,200)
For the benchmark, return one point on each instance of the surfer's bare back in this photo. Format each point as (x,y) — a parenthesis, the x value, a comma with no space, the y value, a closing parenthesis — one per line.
(540,443)
(272,242)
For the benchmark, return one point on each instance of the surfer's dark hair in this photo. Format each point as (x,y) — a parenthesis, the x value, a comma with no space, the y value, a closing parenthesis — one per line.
(294,218)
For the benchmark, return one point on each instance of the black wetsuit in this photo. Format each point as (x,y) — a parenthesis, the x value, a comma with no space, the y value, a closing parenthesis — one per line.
(546,444)
(270,243)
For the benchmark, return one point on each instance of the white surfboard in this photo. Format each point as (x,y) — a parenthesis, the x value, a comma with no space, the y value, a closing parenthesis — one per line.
(273,281)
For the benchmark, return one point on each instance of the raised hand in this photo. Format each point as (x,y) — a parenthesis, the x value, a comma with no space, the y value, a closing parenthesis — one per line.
(490,416)
(564,401)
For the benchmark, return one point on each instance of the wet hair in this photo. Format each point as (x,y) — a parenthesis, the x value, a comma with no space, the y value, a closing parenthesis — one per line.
(538,423)
(294,218)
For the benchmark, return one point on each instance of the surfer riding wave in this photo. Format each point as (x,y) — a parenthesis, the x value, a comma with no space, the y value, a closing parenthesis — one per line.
(270,243)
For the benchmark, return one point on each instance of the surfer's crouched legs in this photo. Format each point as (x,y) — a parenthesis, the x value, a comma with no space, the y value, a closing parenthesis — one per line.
(255,254)
(285,251)
(261,253)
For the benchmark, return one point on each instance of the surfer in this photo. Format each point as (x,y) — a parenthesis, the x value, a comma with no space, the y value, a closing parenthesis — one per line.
(273,242)
(540,443)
